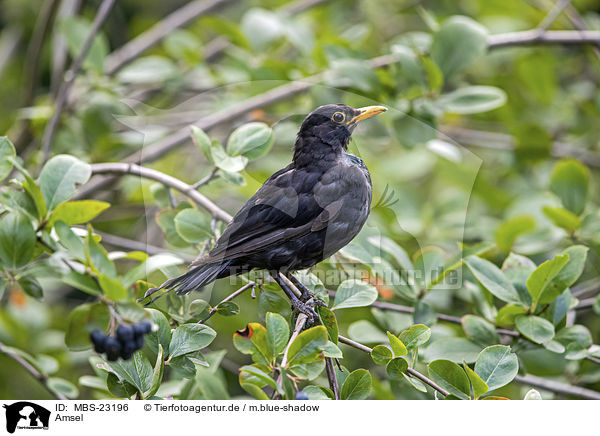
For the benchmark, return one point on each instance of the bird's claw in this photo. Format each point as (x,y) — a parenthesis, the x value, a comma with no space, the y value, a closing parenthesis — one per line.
(308,309)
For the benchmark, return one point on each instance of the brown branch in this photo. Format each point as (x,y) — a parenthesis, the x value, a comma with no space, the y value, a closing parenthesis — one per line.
(229,297)
(410,371)
(332,377)
(182,16)
(550,37)
(172,182)
(557,387)
(42,378)
(71,75)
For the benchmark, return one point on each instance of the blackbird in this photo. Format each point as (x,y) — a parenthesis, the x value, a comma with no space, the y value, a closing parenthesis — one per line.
(302,214)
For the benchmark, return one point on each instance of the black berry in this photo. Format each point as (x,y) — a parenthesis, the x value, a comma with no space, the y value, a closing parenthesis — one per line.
(113,349)
(146,326)
(98,338)
(124,333)
(301,395)
(139,330)
(139,342)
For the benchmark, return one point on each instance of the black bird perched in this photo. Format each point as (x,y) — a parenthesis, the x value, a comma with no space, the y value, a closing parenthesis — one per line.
(302,214)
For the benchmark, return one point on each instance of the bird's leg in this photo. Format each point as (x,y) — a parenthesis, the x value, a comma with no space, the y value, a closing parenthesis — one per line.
(297,305)
(306,293)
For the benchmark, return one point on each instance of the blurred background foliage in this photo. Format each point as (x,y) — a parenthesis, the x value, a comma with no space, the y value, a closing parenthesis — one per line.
(490,147)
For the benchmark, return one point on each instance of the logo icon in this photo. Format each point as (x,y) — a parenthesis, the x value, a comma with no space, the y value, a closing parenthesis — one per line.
(26,415)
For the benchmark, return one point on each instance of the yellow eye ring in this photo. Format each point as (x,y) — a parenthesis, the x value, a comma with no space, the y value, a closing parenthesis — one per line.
(338,117)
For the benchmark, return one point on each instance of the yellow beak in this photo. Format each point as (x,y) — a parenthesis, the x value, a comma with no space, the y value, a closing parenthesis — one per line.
(368,112)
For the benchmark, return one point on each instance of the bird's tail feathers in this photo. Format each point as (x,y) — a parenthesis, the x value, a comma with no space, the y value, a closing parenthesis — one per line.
(196,278)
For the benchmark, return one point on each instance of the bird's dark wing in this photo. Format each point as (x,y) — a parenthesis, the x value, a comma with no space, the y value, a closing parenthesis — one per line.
(283,209)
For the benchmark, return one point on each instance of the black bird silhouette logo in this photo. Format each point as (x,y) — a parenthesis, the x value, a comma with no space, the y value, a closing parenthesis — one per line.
(26,415)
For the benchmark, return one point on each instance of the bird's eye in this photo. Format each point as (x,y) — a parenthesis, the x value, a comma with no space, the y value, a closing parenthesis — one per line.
(338,117)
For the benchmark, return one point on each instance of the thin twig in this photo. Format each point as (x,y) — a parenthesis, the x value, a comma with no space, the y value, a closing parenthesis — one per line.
(411,371)
(229,297)
(172,182)
(42,378)
(550,37)
(182,16)
(332,377)
(552,15)
(71,75)
(300,322)
(558,387)
(203,181)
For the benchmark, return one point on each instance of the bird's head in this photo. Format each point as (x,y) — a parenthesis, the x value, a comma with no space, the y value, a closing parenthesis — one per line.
(331,126)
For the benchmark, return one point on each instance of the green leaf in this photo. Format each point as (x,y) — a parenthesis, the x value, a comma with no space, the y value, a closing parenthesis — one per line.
(136,371)
(62,386)
(478,386)
(278,333)
(160,336)
(480,330)
(568,275)
(112,288)
(511,229)
(357,385)
(397,345)
(203,142)
(227,308)
(188,338)
(381,355)
(497,366)
(354,293)
(332,350)
(308,346)
(17,240)
(492,279)
(396,368)
(454,349)
(263,376)
(415,336)
(31,287)
(60,176)
(119,388)
(70,240)
(251,140)
(157,374)
(232,164)
(77,212)
(540,279)
(570,182)
(507,314)
(82,321)
(473,99)
(7,151)
(576,333)
(562,218)
(537,329)
(394,250)
(459,42)
(148,70)
(192,225)
(76,30)
(329,320)
(253,340)
(451,377)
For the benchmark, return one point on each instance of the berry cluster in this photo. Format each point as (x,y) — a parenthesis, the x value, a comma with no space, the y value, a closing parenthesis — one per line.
(128,340)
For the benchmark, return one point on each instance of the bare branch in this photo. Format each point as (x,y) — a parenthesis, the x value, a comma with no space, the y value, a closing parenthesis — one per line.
(551,37)
(42,378)
(552,15)
(332,377)
(229,297)
(558,387)
(410,371)
(71,75)
(172,182)
(182,16)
